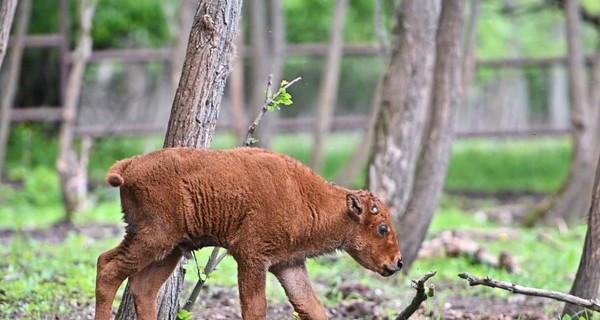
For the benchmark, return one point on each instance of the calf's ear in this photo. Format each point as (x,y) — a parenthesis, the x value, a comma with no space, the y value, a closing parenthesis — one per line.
(353,204)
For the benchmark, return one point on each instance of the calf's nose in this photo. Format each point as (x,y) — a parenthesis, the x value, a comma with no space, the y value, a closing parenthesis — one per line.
(399,263)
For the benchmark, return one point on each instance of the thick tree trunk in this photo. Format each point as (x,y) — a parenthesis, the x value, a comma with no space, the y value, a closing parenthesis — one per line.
(67,163)
(402,111)
(196,108)
(588,274)
(7,11)
(433,162)
(329,83)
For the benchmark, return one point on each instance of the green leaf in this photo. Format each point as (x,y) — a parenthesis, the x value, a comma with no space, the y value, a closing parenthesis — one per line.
(184,315)
(272,106)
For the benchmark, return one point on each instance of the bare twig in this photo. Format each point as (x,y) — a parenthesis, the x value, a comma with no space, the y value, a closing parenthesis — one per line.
(419,285)
(515,288)
(211,265)
(380,31)
(250,135)
(215,258)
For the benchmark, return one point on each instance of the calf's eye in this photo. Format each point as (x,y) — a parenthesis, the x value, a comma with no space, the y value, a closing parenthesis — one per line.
(383,230)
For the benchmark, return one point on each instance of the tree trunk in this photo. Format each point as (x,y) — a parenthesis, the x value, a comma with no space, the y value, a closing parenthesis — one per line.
(67,163)
(588,274)
(469,49)
(405,93)
(357,160)
(268,40)
(329,83)
(195,109)
(7,11)
(433,161)
(570,202)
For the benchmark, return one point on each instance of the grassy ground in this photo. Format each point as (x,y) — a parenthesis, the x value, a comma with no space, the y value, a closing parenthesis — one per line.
(48,275)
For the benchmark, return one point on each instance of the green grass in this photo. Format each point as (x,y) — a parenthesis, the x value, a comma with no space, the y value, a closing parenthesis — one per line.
(41,279)
(539,165)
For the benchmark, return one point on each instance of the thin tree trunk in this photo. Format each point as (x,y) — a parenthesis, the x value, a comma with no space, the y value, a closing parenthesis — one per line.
(433,162)
(260,67)
(267,31)
(195,110)
(587,278)
(236,88)
(7,11)
(469,54)
(357,160)
(67,163)
(402,111)
(330,79)
(570,202)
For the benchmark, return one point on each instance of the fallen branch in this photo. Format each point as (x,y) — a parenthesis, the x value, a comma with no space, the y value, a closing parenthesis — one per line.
(457,243)
(419,285)
(515,288)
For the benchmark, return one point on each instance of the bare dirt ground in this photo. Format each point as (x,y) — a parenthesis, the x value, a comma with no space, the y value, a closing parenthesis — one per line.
(357,302)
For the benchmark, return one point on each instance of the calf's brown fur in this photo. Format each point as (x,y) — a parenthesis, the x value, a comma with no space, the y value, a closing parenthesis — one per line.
(270,212)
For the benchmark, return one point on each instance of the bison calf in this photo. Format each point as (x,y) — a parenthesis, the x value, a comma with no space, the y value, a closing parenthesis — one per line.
(269,211)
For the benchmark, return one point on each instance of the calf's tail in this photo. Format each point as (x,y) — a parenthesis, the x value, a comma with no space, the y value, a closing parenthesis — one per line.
(114,175)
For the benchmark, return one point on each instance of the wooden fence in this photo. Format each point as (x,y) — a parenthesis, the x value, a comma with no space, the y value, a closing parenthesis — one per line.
(60,40)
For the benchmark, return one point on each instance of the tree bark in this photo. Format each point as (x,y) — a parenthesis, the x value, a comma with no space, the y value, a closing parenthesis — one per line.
(195,110)
(587,278)
(402,111)
(7,11)
(329,83)
(433,161)
(67,163)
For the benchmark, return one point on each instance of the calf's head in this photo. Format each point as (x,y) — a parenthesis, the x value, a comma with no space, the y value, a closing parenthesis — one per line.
(373,242)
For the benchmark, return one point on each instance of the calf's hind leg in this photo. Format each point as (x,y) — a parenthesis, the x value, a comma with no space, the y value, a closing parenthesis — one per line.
(114,266)
(296,283)
(146,283)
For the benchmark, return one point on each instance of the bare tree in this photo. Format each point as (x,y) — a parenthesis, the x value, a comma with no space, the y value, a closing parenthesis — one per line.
(329,83)
(7,11)
(195,110)
(267,33)
(587,278)
(236,88)
(357,160)
(570,202)
(420,93)
(67,164)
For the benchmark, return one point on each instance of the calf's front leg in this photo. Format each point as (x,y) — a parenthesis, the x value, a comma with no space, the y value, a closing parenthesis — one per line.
(251,284)
(296,283)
